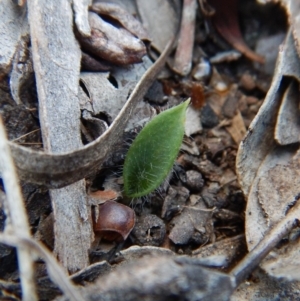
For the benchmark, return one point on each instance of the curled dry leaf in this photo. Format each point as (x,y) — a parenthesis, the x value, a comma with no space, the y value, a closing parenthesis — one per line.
(268,164)
(101,196)
(120,15)
(225,20)
(111,43)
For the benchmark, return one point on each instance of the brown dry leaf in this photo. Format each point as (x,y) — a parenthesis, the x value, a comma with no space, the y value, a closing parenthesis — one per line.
(268,164)
(101,196)
(225,20)
(184,51)
(111,43)
(122,16)
(237,129)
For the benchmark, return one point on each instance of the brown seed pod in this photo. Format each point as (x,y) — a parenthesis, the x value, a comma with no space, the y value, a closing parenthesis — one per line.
(115,221)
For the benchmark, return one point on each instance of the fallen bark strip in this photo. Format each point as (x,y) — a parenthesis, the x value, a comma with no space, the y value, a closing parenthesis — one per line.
(58,170)
(56,61)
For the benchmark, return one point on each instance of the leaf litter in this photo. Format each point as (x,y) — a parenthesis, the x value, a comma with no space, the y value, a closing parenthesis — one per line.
(196,217)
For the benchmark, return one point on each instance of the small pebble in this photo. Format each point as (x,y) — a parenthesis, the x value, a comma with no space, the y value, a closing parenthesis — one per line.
(247,82)
(208,117)
(221,87)
(156,94)
(202,70)
(194,180)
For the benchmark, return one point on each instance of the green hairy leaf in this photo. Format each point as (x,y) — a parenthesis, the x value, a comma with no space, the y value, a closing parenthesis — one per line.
(154,151)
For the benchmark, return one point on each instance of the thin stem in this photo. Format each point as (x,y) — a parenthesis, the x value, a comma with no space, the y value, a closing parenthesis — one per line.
(18,217)
(56,272)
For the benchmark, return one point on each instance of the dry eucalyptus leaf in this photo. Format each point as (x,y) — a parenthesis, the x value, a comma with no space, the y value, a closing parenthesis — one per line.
(293,11)
(185,45)
(92,127)
(108,92)
(274,190)
(269,172)
(22,73)
(161,20)
(120,15)
(288,122)
(80,8)
(260,137)
(237,128)
(12,21)
(112,43)
(128,5)
(225,20)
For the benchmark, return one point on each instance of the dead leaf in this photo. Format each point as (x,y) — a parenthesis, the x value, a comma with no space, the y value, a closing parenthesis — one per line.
(10,32)
(225,20)
(269,172)
(108,92)
(288,121)
(185,45)
(237,129)
(122,16)
(111,43)
(260,137)
(161,20)
(101,196)
(81,16)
